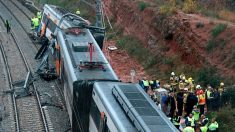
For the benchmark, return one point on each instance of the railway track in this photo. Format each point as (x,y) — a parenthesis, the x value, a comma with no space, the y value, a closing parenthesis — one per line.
(28,113)
(16,9)
(51,95)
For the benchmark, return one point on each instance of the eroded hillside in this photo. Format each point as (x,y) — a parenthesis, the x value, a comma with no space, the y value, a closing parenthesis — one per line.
(188,40)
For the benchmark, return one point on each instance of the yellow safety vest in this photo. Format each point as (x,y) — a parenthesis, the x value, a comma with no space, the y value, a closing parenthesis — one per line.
(146,83)
(208,94)
(203,128)
(213,126)
(151,82)
(39,16)
(196,115)
(192,121)
(174,121)
(202,99)
(36,22)
(188,129)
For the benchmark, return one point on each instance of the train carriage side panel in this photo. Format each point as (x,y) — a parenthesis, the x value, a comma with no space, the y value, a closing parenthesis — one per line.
(82,87)
(67,75)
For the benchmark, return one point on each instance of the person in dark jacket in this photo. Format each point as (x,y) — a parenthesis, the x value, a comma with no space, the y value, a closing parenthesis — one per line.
(176,120)
(215,101)
(180,103)
(172,102)
(191,101)
(8,26)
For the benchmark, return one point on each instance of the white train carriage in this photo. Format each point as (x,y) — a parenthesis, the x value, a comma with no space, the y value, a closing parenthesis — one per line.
(95,99)
(50,20)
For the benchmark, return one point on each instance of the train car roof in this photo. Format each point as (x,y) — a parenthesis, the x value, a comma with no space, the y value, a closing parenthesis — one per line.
(75,46)
(56,10)
(117,115)
(156,122)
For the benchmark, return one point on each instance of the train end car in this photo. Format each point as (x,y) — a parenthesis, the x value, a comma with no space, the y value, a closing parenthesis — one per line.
(125,107)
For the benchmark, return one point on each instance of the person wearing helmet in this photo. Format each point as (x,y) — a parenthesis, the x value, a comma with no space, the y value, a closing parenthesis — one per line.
(173,79)
(201,99)
(39,15)
(78,12)
(221,88)
(191,85)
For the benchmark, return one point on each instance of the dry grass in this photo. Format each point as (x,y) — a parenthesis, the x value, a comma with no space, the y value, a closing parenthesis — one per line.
(227,15)
(190,6)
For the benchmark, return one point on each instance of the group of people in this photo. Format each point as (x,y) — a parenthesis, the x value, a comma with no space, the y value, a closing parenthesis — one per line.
(185,103)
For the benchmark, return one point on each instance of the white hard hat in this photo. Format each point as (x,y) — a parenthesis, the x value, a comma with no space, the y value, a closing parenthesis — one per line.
(172,74)
(78,12)
(198,87)
(221,84)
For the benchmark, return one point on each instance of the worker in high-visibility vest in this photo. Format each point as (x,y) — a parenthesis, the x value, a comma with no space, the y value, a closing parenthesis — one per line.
(190,119)
(209,97)
(201,101)
(196,113)
(78,12)
(176,120)
(35,23)
(189,128)
(146,84)
(214,126)
(203,128)
(39,15)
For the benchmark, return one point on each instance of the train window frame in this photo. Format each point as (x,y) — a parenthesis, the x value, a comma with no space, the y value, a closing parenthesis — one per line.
(51,25)
(44,18)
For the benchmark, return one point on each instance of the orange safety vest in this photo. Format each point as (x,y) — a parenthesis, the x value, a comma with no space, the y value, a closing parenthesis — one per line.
(202,99)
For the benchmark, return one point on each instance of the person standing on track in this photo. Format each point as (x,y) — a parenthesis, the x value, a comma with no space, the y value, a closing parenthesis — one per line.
(8,26)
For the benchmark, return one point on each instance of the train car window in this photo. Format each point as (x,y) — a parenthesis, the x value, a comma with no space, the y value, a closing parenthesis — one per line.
(51,26)
(44,18)
(95,113)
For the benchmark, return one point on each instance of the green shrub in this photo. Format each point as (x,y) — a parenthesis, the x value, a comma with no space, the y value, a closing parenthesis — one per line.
(142,5)
(231,93)
(218,29)
(137,50)
(225,118)
(211,45)
(168,61)
(208,75)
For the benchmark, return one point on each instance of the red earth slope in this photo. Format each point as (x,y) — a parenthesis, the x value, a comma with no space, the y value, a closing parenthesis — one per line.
(186,40)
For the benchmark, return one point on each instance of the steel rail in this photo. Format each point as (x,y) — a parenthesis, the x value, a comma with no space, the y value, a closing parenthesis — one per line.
(11,85)
(20,9)
(25,30)
(28,69)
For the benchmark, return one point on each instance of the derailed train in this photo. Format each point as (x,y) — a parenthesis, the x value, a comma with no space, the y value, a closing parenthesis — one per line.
(96,100)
